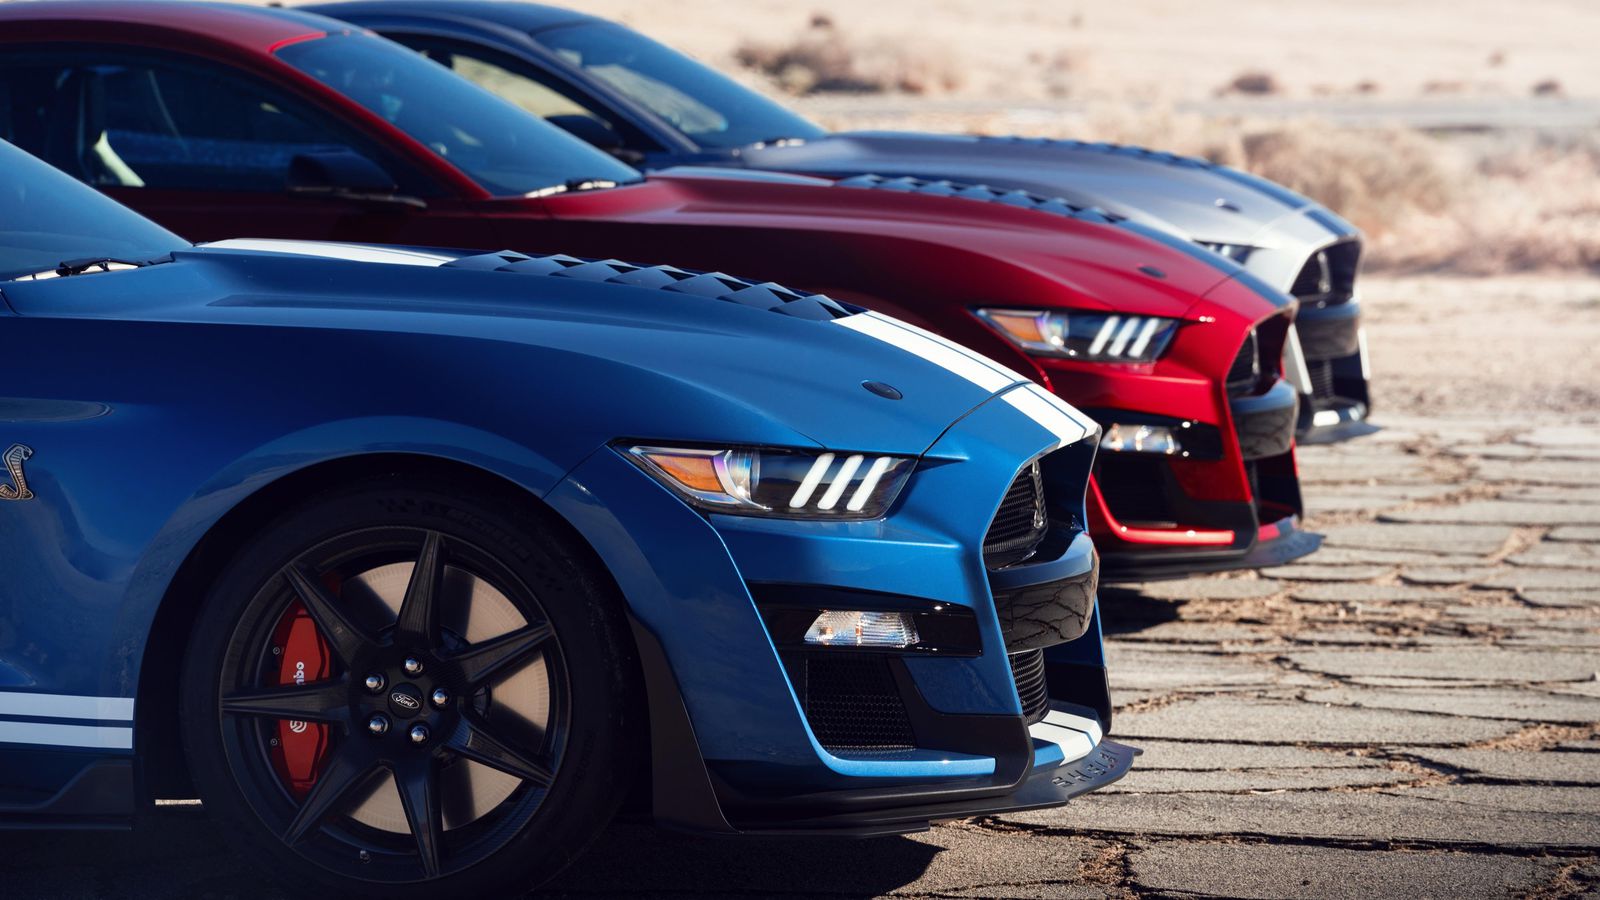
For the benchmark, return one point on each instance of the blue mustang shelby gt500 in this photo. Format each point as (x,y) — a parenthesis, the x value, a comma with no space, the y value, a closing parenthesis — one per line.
(414,567)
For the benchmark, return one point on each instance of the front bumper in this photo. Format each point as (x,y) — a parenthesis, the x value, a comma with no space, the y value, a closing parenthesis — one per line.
(1336,398)
(1231,499)
(735,739)
(1336,401)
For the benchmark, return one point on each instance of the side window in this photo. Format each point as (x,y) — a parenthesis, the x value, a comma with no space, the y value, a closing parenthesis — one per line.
(518,82)
(182,128)
(535,97)
(160,124)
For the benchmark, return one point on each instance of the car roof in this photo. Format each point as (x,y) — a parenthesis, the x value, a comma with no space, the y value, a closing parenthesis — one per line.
(255,28)
(527,17)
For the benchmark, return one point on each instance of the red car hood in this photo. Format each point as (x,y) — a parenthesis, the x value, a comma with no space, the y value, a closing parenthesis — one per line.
(976,251)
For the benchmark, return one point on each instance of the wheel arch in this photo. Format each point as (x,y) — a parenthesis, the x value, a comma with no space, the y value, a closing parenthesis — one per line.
(162,770)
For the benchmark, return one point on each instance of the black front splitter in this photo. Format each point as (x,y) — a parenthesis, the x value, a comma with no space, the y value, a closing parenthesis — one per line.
(1043,789)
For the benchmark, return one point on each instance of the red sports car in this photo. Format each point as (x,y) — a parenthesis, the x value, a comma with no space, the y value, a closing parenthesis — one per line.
(222,120)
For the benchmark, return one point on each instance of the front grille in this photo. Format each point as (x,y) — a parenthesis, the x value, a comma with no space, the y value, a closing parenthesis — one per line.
(1245,373)
(1027,669)
(852,702)
(1020,523)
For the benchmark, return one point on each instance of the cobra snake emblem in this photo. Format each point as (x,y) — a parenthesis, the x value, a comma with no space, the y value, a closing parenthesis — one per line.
(18,489)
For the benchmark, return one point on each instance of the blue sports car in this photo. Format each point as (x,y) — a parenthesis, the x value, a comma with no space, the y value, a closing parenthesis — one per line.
(657,108)
(414,565)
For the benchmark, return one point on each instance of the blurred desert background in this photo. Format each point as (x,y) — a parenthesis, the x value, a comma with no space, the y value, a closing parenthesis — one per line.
(1463,138)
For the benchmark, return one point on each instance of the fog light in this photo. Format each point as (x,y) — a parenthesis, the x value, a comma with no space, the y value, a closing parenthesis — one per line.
(1160,439)
(862,629)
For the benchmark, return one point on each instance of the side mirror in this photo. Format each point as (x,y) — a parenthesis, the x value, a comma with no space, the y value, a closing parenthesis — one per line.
(589,130)
(344,174)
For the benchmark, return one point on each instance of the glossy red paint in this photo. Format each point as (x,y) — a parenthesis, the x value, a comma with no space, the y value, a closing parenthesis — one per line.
(927,259)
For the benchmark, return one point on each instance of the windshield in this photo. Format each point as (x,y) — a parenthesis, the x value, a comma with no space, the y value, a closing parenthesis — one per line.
(505,150)
(708,107)
(47,217)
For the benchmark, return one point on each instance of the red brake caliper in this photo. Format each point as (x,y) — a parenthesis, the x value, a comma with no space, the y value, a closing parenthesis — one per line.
(305,658)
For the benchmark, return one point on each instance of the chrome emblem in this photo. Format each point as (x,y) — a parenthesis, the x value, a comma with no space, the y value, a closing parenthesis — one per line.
(18,489)
(405,701)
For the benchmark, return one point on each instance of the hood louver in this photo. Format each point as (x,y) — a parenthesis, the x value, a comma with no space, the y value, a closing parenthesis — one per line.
(983,194)
(713,285)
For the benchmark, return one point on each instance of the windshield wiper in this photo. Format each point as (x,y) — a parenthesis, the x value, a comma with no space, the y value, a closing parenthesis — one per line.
(90,264)
(574,185)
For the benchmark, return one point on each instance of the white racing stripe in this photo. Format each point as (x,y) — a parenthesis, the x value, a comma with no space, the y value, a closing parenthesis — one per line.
(984,376)
(353,252)
(1046,409)
(948,344)
(67,734)
(1056,415)
(1076,736)
(99,737)
(62,706)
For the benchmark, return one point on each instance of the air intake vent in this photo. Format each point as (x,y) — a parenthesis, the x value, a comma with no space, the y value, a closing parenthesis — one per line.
(852,702)
(1020,524)
(1245,373)
(1029,672)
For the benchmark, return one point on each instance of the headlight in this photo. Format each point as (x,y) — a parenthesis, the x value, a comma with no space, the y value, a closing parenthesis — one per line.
(1236,252)
(1097,337)
(791,484)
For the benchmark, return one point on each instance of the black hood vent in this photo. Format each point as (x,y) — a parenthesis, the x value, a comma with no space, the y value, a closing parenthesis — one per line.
(713,285)
(983,194)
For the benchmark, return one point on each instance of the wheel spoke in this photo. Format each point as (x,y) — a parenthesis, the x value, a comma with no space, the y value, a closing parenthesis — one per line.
(341,773)
(473,741)
(419,611)
(345,637)
(486,659)
(419,795)
(319,701)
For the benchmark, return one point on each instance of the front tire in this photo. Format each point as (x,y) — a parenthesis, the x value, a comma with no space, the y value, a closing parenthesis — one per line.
(455,715)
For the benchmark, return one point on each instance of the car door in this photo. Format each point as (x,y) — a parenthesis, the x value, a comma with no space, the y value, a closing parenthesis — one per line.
(213,152)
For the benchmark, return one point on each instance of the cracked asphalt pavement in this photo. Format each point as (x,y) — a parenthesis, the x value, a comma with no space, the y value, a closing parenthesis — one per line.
(1413,710)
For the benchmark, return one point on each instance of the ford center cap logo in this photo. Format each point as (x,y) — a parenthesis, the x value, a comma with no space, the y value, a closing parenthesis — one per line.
(404,701)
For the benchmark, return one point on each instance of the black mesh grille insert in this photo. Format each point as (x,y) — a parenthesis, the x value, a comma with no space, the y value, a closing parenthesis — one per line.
(1245,372)
(1019,524)
(1134,488)
(852,701)
(1028,670)
(1321,379)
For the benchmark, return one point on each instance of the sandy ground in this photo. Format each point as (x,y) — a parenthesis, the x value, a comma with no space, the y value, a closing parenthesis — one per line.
(1504,346)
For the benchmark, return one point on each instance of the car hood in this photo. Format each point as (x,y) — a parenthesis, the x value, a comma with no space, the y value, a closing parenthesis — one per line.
(873,237)
(1191,198)
(603,349)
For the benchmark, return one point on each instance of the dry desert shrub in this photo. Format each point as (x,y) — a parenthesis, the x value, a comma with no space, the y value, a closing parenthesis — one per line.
(823,59)
(1256,83)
